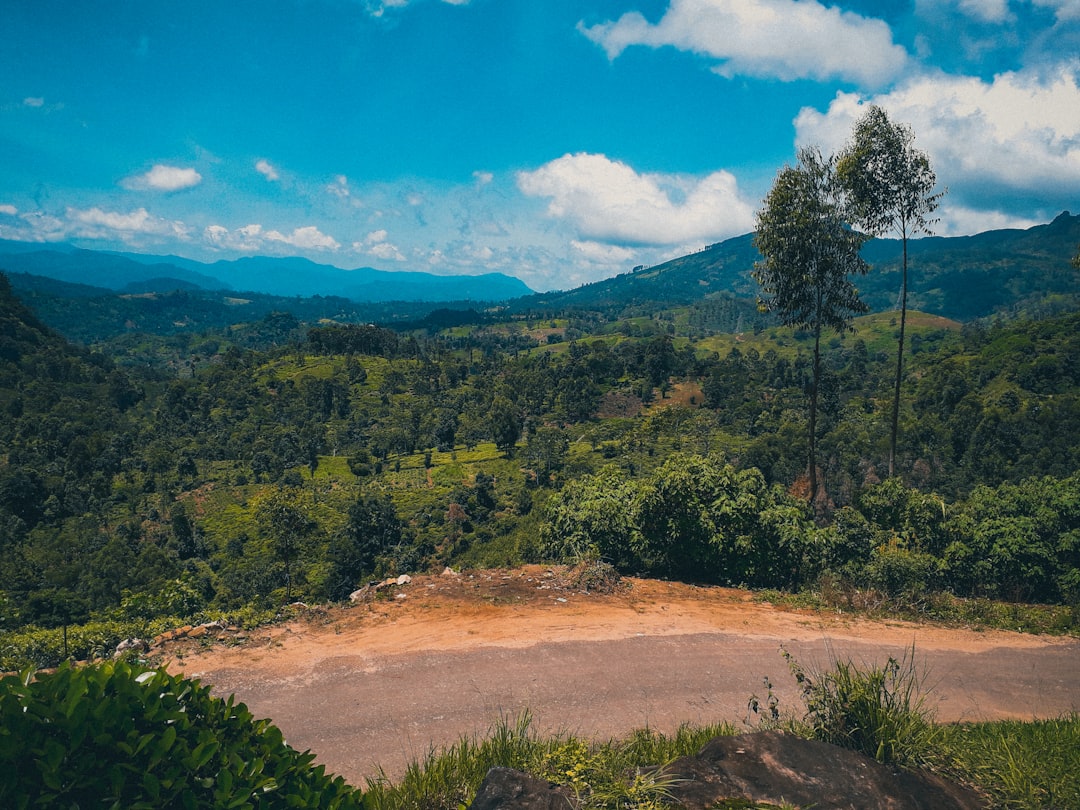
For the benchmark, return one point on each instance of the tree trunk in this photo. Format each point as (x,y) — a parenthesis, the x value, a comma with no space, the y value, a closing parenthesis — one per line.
(899,361)
(813,413)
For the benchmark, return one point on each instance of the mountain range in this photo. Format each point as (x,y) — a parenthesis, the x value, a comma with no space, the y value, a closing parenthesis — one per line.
(91,295)
(294,276)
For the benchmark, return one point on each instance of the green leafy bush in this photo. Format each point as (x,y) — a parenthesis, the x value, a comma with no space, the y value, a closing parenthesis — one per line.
(118,736)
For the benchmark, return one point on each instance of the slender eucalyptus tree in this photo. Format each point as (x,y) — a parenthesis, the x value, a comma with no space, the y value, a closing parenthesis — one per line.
(809,254)
(890,187)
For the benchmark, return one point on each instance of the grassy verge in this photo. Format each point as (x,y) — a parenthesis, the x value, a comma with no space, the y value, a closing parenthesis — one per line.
(941,608)
(877,710)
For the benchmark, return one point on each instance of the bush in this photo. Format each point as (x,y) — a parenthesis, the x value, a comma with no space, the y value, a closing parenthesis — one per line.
(118,736)
(880,711)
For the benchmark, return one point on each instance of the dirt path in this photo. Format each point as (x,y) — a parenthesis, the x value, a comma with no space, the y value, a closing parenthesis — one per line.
(378,684)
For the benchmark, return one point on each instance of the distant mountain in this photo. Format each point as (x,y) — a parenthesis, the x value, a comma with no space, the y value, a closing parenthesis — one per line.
(1003,271)
(108,270)
(266,275)
(296,276)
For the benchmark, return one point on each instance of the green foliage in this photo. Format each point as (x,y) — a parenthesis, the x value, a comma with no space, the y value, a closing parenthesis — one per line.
(1021,765)
(625,774)
(877,710)
(808,255)
(118,736)
(694,518)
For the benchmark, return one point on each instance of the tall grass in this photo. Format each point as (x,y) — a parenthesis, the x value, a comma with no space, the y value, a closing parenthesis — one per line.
(1032,765)
(1017,765)
(614,774)
(880,711)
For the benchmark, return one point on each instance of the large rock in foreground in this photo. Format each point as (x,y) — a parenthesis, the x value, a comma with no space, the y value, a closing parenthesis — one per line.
(768,767)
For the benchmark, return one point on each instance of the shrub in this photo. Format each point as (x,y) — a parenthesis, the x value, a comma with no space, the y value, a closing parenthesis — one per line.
(118,736)
(878,710)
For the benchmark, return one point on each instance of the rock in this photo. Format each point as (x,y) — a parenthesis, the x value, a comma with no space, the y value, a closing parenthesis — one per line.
(360,594)
(129,644)
(776,768)
(507,789)
(770,768)
(450,572)
(197,632)
(404,579)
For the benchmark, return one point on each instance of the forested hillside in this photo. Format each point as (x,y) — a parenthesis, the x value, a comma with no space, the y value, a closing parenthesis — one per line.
(1003,272)
(220,473)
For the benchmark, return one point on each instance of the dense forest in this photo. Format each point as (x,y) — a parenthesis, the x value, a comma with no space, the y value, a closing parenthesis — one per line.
(156,477)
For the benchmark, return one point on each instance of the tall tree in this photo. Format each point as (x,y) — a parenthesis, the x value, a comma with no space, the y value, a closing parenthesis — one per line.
(809,254)
(890,187)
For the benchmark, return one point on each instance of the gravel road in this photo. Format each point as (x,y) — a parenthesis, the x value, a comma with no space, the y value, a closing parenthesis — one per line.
(377,686)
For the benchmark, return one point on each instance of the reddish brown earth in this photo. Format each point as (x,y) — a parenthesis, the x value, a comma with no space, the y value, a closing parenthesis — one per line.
(377,684)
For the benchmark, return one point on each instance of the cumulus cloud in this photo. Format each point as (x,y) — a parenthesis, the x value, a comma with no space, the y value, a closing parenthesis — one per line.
(136,228)
(483,178)
(991,11)
(266,169)
(163,178)
(1015,137)
(986,11)
(253,239)
(781,39)
(96,223)
(376,244)
(608,201)
(1064,10)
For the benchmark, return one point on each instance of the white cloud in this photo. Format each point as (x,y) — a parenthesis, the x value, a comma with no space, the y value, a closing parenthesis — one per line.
(991,11)
(375,244)
(987,11)
(483,178)
(138,228)
(253,239)
(600,253)
(782,39)
(163,178)
(608,201)
(1065,10)
(96,223)
(959,220)
(377,8)
(266,169)
(34,101)
(1016,137)
(308,238)
(340,187)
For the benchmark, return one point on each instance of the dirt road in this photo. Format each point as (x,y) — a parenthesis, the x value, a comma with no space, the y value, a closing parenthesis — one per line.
(376,685)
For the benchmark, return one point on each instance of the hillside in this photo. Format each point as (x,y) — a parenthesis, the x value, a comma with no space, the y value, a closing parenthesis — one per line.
(1006,272)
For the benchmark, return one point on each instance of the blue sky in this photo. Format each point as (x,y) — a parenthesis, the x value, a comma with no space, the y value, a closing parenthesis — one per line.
(560,141)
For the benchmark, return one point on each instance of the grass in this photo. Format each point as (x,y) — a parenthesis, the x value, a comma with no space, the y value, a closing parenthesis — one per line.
(878,710)
(1020,765)
(623,773)
(939,607)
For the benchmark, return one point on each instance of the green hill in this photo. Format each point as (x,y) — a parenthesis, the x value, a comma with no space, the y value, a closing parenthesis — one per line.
(1001,272)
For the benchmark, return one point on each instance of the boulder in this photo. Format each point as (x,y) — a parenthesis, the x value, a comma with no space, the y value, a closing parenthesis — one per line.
(507,789)
(767,767)
(776,768)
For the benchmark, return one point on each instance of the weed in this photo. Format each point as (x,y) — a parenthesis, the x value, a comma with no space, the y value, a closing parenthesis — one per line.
(880,711)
